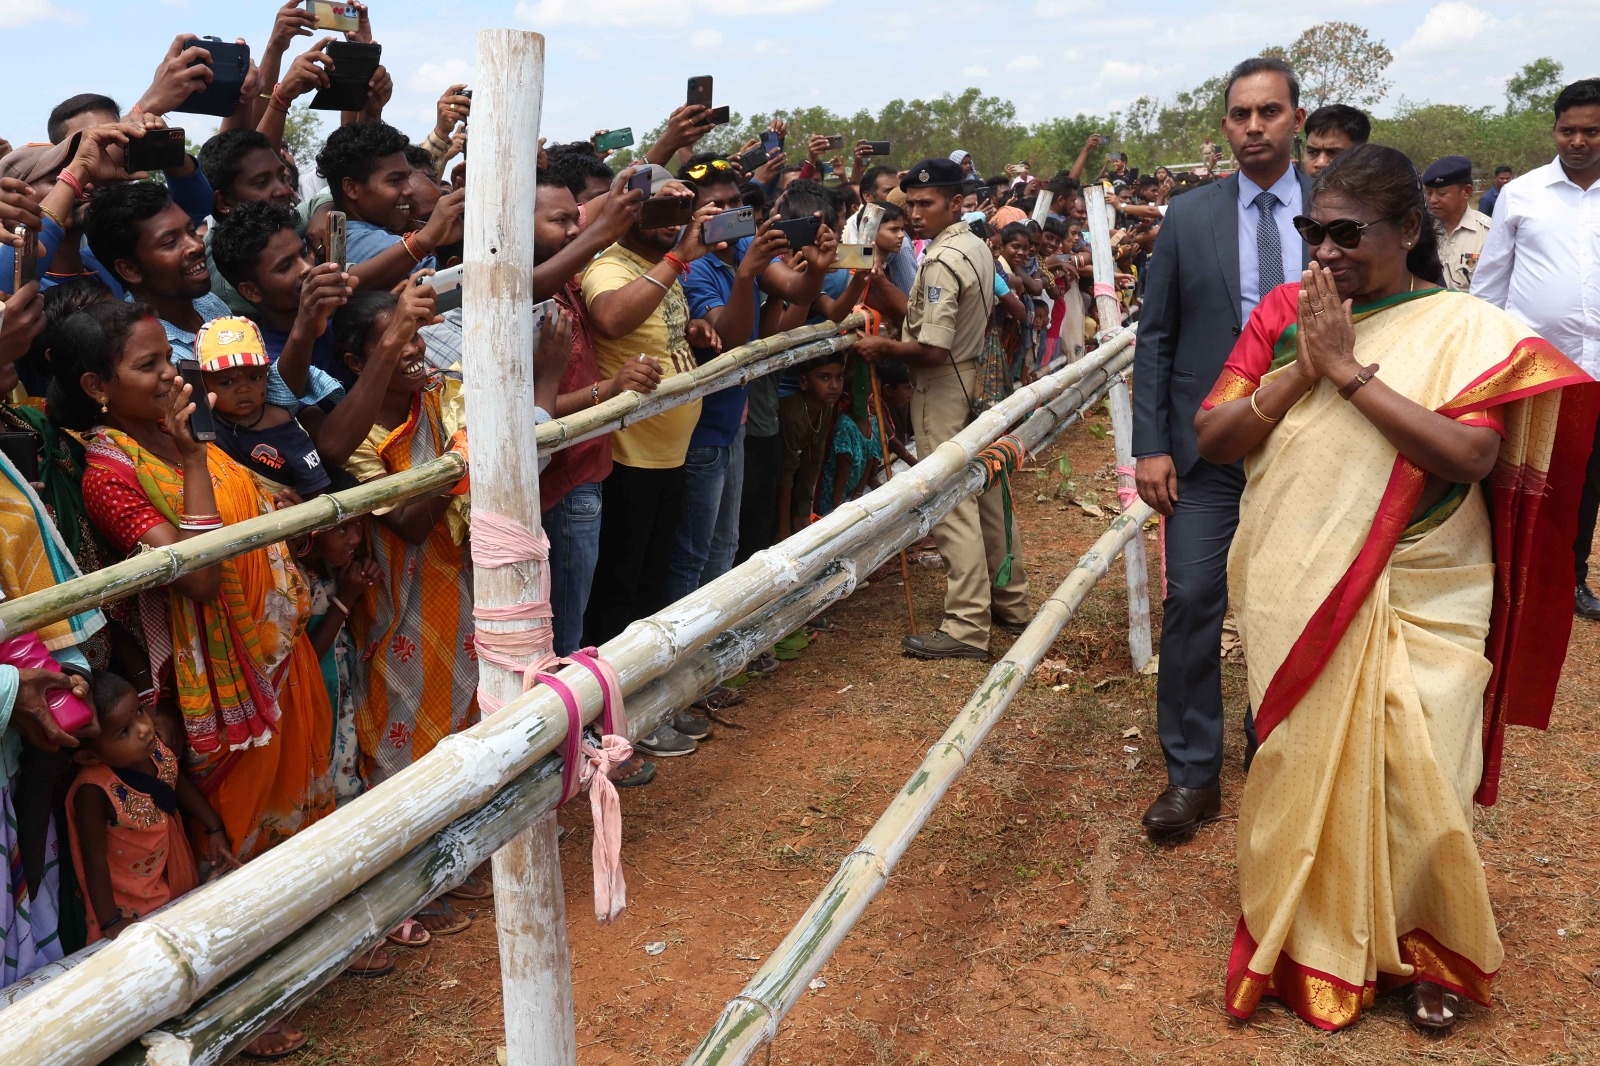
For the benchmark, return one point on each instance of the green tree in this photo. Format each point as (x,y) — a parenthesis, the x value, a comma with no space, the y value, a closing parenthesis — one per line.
(1339,63)
(1534,87)
(1157,131)
(303,136)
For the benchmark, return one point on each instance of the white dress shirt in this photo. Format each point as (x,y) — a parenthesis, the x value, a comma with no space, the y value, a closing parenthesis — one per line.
(1287,190)
(1542,261)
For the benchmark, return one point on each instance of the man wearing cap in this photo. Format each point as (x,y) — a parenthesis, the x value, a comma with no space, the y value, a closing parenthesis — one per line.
(947,313)
(1447,184)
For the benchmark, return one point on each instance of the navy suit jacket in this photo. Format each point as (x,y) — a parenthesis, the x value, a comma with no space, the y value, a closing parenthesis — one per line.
(1190,317)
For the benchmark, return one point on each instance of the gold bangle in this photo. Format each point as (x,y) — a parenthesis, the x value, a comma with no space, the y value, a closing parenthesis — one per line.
(1259,414)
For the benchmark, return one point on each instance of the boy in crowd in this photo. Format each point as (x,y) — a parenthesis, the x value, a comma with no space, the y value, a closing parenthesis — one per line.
(242,168)
(806,419)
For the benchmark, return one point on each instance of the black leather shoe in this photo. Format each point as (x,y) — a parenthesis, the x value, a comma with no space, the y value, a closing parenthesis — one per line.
(1178,812)
(1010,625)
(1251,746)
(1586,603)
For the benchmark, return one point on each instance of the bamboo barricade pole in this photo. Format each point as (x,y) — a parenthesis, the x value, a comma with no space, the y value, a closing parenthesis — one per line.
(277,985)
(161,566)
(161,967)
(1134,561)
(888,473)
(751,1019)
(500,347)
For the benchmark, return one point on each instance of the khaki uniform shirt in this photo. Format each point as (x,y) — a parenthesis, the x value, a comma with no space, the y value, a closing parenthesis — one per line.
(1458,249)
(953,296)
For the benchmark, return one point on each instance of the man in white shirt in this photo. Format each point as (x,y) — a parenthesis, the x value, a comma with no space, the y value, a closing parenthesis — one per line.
(1542,264)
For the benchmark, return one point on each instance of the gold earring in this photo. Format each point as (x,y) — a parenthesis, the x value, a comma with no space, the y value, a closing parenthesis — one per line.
(103,405)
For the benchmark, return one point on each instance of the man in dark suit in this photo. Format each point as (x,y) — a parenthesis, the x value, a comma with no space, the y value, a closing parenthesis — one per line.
(1221,248)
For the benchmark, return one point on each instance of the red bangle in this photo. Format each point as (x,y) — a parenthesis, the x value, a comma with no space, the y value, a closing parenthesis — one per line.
(411,248)
(683,268)
(278,100)
(73,183)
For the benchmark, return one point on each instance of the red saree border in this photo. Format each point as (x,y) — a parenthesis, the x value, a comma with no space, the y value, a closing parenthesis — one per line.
(1331,1003)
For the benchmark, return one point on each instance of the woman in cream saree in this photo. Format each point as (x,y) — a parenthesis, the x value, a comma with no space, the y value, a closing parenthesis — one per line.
(1403,592)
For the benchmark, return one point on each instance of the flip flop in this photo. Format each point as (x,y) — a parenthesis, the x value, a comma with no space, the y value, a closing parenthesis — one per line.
(371,971)
(283,1053)
(449,920)
(635,772)
(472,890)
(409,934)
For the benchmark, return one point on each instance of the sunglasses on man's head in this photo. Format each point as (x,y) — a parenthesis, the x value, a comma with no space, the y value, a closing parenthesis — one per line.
(1345,232)
(699,171)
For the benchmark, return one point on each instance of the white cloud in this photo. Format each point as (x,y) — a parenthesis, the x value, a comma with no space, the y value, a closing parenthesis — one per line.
(437,77)
(22,12)
(542,13)
(1054,9)
(705,39)
(1024,63)
(975,72)
(1116,73)
(1448,26)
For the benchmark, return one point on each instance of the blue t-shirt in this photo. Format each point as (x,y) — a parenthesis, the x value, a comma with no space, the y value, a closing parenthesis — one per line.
(363,240)
(710,285)
(323,387)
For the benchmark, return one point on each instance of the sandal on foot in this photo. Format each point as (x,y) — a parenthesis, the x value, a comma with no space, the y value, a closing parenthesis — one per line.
(441,919)
(374,963)
(472,890)
(1427,1015)
(634,773)
(278,1042)
(409,934)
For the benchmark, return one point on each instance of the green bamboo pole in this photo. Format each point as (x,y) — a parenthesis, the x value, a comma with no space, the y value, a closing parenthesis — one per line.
(751,1020)
(276,985)
(162,566)
(160,968)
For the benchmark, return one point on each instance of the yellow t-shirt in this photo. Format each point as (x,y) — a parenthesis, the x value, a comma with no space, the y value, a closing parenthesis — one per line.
(661,441)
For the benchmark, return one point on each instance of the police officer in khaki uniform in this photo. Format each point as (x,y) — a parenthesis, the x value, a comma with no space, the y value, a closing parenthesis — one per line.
(946,317)
(1463,229)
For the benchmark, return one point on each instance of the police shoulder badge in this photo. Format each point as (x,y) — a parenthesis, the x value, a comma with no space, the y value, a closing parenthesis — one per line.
(934,292)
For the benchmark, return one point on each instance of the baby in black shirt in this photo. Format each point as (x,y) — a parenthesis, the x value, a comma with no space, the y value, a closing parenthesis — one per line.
(264,438)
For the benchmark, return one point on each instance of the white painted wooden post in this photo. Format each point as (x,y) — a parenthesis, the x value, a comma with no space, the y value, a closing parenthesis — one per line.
(1109,314)
(530,906)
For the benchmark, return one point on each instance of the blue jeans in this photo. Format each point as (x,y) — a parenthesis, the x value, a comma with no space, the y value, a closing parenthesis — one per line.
(705,472)
(725,535)
(573,526)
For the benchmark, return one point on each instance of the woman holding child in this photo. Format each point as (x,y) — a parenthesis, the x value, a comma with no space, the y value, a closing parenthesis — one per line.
(1403,578)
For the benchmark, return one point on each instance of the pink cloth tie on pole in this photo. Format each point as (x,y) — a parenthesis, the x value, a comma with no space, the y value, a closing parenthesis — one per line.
(529,651)
(1102,288)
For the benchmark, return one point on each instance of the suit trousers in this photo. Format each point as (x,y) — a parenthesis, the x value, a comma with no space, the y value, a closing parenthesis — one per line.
(1189,685)
(972,538)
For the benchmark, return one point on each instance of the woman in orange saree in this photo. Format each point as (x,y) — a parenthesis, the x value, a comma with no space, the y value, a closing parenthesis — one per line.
(1403,591)
(228,642)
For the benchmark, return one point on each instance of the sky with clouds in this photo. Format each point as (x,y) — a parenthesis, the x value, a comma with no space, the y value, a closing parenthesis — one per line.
(613,63)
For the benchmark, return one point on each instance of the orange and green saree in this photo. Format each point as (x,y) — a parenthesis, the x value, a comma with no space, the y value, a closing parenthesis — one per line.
(248,685)
(1387,652)
(414,634)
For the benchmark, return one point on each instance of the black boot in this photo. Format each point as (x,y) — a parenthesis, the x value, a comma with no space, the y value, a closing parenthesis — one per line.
(1587,604)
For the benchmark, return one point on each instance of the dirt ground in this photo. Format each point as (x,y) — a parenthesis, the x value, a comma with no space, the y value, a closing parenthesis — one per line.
(1030,922)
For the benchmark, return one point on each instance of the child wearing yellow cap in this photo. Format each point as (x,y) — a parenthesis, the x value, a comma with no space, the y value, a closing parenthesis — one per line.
(262,437)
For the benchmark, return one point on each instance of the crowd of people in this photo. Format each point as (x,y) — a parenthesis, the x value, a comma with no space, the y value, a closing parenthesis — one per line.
(186,350)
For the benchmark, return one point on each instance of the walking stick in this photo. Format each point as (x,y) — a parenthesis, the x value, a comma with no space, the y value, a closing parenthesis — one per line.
(873,320)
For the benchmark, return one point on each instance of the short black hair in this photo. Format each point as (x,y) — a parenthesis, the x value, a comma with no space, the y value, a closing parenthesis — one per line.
(891,372)
(869,180)
(574,169)
(804,198)
(353,151)
(221,157)
(548,177)
(115,212)
(891,213)
(71,108)
(1013,230)
(108,689)
(556,151)
(1503,169)
(88,342)
(1057,225)
(1263,65)
(238,240)
(1340,118)
(1578,94)
(421,159)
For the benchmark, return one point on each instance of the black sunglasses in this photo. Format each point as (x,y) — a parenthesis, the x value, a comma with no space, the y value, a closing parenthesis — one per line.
(1346,232)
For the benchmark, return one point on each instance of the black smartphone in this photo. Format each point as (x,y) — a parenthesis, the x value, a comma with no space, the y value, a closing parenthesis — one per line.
(201,423)
(336,240)
(730,226)
(980,229)
(666,211)
(802,232)
(700,90)
(27,259)
(771,142)
(877,147)
(230,63)
(752,159)
(984,192)
(156,150)
(642,179)
(718,116)
(21,449)
(354,63)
